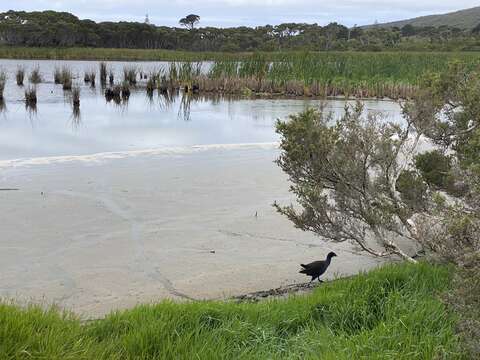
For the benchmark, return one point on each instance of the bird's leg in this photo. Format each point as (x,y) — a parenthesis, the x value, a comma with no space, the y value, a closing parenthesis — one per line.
(320,281)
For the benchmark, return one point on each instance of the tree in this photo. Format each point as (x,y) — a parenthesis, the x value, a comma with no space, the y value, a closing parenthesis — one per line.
(476,30)
(190,21)
(345,178)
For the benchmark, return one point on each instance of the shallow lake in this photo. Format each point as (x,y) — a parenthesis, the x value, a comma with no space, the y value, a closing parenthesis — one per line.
(142,122)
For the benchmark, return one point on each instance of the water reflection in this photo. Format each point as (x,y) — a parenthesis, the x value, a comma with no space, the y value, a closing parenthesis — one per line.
(166,117)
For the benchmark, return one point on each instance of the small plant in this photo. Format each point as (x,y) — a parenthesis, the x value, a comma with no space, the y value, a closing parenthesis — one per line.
(90,78)
(57,76)
(151,85)
(103,73)
(35,76)
(113,93)
(76,96)
(125,90)
(20,75)
(130,75)
(3,80)
(66,77)
(31,97)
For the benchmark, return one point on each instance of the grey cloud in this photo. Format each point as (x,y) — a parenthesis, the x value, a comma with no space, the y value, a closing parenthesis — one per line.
(245,12)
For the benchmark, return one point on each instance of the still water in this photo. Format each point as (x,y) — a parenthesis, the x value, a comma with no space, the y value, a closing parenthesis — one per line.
(140,123)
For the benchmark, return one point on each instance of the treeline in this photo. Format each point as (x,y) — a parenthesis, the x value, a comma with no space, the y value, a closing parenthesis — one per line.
(60,29)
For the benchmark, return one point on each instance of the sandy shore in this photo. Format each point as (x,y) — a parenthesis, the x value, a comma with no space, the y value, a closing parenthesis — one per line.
(105,232)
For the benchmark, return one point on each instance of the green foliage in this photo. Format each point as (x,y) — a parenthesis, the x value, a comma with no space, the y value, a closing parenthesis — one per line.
(391,312)
(436,169)
(343,175)
(413,190)
(54,29)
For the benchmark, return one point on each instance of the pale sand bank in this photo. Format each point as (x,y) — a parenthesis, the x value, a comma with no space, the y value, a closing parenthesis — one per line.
(107,232)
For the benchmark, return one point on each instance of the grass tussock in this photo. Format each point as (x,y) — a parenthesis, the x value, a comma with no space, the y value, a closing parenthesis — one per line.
(20,75)
(76,96)
(90,77)
(3,80)
(130,75)
(35,76)
(31,97)
(393,312)
(103,73)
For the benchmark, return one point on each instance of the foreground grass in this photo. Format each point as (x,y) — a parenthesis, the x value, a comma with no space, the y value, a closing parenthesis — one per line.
(389,313)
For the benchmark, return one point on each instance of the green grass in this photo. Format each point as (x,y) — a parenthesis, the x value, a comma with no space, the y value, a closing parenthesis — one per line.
(320,74)
(8,52)
(390,313)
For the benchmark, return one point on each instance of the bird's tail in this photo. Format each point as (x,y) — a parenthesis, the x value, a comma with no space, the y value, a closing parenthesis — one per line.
(304,270)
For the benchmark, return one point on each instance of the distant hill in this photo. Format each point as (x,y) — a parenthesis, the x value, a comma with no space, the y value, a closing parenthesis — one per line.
(463,19)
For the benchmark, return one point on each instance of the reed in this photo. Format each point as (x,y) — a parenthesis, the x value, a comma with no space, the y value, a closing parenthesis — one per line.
(57,75)
(66,78)
(76,96)
(3,80)
(35,76)
(151,84)
(89,77)
(20,75)
(103,73)
(113,93)
(111,78)
(125,90)
(130,75)
(31,97)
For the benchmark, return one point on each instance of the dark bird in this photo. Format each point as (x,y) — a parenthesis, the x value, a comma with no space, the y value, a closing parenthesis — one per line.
(317,268)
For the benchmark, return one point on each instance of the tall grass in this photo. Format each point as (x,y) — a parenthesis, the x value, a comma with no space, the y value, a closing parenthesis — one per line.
(90,76)
(20,75)
(76,96)
(31,97)
(130,75)
(3,80)
(35,76)
(103,73)
(390,313)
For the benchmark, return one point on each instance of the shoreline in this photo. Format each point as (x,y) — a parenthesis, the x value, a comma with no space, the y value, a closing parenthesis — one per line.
(97,236)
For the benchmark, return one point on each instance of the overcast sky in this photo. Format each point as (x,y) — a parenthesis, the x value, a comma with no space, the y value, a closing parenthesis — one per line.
(226,13)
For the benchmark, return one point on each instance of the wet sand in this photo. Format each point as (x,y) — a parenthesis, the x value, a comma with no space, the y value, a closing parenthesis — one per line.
(105,232)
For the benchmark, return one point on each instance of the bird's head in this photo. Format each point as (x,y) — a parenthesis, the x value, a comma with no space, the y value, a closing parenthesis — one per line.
(331,254)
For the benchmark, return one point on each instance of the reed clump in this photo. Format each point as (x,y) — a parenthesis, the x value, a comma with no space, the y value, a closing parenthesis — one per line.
(57,75)
(66,78)
(20,75)
(125,90)
(89,77)
(103,73)
(151,85)
(76,96)
(31,97)
(3,80)
(130,75)
(113,93)
(35,76)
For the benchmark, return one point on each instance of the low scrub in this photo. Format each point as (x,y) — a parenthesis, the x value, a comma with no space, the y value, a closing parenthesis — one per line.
(392,312)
